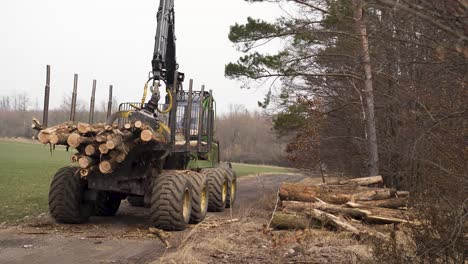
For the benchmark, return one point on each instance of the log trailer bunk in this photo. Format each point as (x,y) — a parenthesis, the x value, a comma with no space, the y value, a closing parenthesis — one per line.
(179,178)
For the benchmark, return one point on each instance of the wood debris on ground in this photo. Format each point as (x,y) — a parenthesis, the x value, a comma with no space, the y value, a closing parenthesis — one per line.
(350,205)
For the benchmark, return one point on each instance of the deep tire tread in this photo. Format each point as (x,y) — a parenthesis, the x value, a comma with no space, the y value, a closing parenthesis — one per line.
(167,199)
(65,197)
(198,181)
(215,178)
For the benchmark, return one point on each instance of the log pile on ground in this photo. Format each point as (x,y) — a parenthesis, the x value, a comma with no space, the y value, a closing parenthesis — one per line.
(100,147)
(344,205)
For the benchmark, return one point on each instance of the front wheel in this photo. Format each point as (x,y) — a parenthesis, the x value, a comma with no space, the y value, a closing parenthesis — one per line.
(66,201)
(171,201)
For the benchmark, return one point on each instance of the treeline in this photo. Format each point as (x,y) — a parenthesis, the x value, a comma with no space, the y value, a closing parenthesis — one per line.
(17,111)
(247,137)
(373,87)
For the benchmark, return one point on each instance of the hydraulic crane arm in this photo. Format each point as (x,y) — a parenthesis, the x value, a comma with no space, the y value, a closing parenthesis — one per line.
(164,62)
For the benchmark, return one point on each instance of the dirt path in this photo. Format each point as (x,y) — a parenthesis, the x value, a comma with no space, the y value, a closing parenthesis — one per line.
(123,238)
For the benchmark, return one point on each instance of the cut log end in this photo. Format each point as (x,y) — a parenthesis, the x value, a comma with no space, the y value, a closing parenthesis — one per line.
(103,148)
(84,162)
(138,124)
(84,172)
(146,135)
(105,167)
(43,137)
(90,150)
(110,144)
(74,140)
(74,158)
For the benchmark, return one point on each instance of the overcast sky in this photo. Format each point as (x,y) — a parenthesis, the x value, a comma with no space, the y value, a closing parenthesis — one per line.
(112,41)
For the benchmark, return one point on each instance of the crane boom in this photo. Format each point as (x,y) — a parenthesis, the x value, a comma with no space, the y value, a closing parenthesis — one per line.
(164,47)
(164,64)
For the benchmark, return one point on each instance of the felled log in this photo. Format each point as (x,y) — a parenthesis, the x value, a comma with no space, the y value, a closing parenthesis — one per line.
(364,181)
(58,138)
(44,134)
(85,161)
(113,142)
(374,194)
(84,128)
(36,125)
(283,220)
(138,124)
(394,203)
(108,166)
(100,138)
(330,208)
(118,156)
(86,172)
(75,140)
(90,150)
(335,194)
(103,148)
(43,137)
(74,158)
(402,193)
(335,221)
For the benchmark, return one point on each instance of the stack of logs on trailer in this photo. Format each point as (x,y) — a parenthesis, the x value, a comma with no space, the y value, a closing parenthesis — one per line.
(347,205)
(100,147)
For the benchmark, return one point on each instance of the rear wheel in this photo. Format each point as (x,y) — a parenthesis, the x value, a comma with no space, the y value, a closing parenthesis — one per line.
(232,187)
(217,189)
(200,196)
(171,201)
(107,204)
(66,197)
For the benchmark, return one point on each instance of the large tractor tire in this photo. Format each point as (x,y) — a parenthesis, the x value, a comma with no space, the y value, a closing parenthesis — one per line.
(217,189)
(136,201)
(107,204)
(200,196)
(232,187)
(66,199)
(171,201)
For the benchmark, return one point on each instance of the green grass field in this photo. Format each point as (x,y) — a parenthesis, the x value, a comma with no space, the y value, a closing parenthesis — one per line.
(26,170)
(247,169)
(25,173)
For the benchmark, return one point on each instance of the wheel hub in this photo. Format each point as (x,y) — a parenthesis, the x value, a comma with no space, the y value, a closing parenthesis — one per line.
(186,205)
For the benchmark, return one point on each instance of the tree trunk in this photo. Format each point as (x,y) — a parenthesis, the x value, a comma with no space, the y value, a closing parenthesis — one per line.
(373,156)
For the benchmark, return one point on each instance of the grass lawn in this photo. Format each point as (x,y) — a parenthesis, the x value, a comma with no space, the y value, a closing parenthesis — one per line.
(25,173)
(26,170)
(246,169)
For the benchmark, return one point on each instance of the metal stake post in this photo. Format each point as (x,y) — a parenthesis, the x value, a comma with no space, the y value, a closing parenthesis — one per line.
(188,117)
(45,113)
(73,102)
(200,118)
(91,104)
(109,103)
